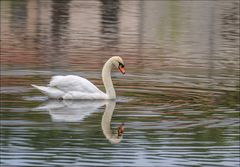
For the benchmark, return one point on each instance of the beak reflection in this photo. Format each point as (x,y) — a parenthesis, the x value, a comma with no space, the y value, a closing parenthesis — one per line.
(121,130)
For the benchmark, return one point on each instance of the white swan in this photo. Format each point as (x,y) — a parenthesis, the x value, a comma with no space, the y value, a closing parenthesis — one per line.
(75,87)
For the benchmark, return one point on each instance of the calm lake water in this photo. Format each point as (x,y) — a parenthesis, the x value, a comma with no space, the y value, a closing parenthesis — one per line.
(178,101)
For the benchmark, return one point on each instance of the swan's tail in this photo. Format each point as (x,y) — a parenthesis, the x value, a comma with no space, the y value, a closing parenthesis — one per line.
(50,91)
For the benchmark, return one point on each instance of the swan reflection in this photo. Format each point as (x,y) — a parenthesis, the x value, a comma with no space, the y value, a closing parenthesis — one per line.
(113,137)
(77,111)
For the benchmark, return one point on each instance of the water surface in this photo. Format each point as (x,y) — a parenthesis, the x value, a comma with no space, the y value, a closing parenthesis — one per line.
(178,101)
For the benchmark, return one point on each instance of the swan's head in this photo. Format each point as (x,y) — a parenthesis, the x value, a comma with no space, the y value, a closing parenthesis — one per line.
(118,62)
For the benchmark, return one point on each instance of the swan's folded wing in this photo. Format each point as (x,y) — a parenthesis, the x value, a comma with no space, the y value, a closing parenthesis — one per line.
(73,83)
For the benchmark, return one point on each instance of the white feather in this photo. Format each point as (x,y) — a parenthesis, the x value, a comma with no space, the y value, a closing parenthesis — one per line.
(73,83)
(71,87)
(50,91)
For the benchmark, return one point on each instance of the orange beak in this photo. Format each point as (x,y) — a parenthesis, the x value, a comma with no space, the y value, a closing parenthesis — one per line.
(121,69)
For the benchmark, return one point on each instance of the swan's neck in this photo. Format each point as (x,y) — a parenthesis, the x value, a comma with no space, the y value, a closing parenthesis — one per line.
(107,80)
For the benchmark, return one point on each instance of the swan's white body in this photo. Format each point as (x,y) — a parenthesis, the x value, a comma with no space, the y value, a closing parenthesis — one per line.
(71,87)
(75,87)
